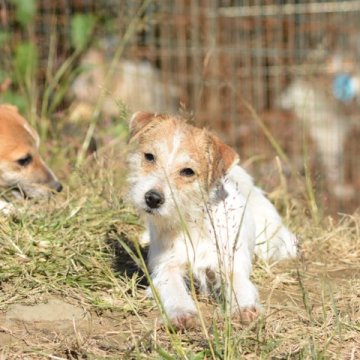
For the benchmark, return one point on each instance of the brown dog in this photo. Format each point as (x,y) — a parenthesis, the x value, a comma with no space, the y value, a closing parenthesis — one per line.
(21,166)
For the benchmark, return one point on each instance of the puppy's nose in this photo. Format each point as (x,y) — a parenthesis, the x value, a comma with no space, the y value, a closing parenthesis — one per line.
(58,187)
(154,199)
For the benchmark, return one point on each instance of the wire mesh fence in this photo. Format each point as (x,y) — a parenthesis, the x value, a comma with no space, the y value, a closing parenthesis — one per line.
(295,63)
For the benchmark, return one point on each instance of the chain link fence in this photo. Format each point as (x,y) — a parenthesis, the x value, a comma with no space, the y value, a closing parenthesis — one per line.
(290,67)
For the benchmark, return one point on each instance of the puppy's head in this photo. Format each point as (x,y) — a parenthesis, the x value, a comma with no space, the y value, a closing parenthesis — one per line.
(174,166)
(21,166)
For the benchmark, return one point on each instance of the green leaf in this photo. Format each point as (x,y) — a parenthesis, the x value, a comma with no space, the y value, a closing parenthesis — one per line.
(82,26)
(25,11)
(163,353)
(14,99)
(4,37)
(26,59)
(198,356)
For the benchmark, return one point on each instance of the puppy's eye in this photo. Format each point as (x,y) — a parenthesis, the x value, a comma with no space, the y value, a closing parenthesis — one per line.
(26,160)
(188,172)
(149,157)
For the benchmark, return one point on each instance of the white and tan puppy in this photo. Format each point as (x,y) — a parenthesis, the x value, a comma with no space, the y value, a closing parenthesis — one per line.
(204,215)
(21,166)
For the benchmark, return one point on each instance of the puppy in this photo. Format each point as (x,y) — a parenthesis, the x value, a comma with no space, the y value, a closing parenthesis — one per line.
(21,167)
(204,216)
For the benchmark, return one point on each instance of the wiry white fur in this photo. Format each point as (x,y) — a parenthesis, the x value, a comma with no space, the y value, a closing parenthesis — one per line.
(210,235)
(219,240)
(273,240)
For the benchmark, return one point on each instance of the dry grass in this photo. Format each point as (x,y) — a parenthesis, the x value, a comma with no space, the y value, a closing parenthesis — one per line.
(74,248)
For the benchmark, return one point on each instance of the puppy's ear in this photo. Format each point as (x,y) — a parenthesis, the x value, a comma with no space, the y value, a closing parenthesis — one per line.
(224,158)
(140,121)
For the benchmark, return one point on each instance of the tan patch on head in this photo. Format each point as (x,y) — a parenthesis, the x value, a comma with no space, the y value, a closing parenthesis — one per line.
(224,158)
(141,121)
(178,147)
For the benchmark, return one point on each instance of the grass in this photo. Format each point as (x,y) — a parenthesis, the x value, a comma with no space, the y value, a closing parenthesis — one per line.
(75,248)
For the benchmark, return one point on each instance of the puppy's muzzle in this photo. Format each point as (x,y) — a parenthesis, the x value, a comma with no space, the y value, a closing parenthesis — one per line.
(154,199)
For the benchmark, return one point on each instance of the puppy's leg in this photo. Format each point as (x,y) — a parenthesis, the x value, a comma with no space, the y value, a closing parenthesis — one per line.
(244,297)
(178,305)
(242,293)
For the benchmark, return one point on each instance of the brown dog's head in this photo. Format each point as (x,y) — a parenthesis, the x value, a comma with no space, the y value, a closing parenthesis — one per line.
(172,159)
(21,166)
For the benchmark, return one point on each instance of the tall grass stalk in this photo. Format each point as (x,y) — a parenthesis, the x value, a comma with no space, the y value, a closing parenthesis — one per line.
(129,33)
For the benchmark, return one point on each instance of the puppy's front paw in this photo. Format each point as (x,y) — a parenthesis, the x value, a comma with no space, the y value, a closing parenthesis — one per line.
(247,315)
(144,239)
(184,321)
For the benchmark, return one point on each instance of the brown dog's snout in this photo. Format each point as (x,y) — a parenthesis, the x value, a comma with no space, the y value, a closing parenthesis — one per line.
(52,181)
(58,186)
(154,199)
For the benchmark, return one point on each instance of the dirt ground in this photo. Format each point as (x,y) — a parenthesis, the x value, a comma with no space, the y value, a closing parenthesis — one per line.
(296,295)
(63,329)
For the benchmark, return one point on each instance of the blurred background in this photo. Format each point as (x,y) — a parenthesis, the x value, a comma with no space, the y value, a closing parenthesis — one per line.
(277,79)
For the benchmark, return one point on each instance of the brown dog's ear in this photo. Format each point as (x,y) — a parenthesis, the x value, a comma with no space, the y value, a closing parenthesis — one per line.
(11,113)
(9,107)
(224,157)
